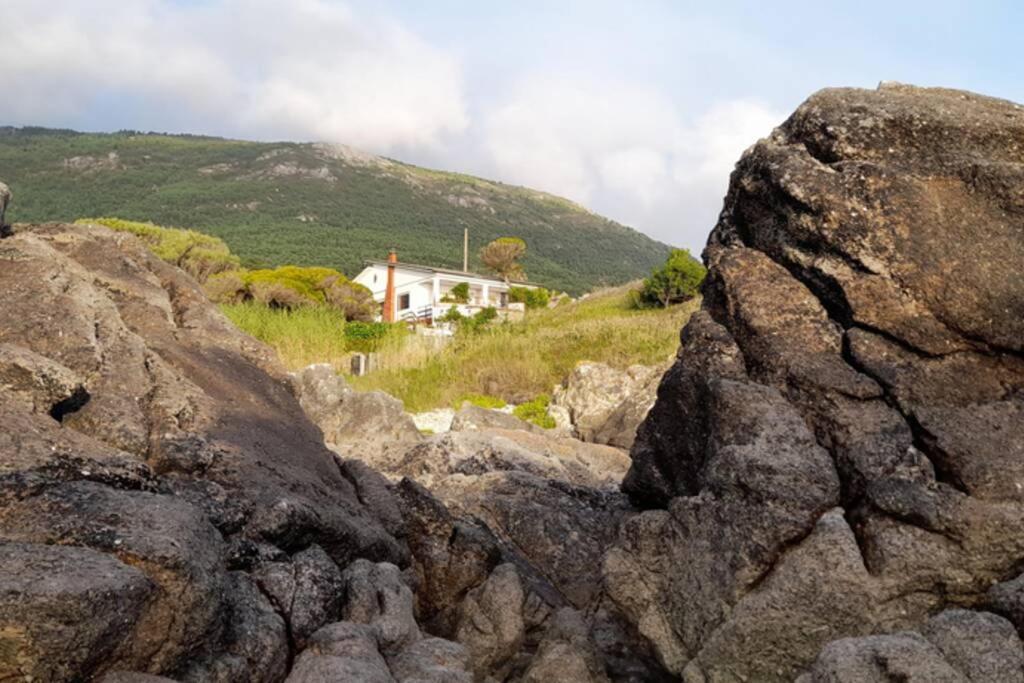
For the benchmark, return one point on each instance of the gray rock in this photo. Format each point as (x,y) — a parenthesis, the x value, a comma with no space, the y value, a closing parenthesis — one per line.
(307,590)
(474,418)
(491,624)
(376,596)
(367,426)
(593,393)
(862,290)
(566,654)
(431,660)
(341,652)
(898,658)
(980,645)
(65,611)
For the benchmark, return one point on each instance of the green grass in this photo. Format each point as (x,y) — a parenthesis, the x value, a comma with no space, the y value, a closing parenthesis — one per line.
(536,411)
(306,335)
(230,189)
(520,361)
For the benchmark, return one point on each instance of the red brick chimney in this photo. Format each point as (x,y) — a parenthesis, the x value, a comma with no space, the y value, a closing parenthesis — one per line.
(389,293)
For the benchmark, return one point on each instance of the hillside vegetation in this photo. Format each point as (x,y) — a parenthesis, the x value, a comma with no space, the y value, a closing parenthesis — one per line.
(313,205)
(519,361)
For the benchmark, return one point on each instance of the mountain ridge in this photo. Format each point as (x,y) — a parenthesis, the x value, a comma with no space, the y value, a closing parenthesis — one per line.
(313,203)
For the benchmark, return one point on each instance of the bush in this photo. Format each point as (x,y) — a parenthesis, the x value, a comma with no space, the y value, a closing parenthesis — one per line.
(481,401)
(199,255)
(276,295)
(477,321)
(536,411)
(459,294)
(533,298)
(452,315)
(226,288)
(352,299)
(366,336)
(677,281)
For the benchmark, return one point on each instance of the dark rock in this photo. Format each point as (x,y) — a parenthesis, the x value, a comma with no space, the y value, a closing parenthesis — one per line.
(859,344)
(980,645)
(65,611)
(306,590)
(140,426)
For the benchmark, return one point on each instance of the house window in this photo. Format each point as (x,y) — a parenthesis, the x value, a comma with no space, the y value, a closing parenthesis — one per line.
(403,302)
(503,299)
(375,278)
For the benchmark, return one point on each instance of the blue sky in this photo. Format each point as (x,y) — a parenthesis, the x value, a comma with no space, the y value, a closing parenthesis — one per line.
(637,110)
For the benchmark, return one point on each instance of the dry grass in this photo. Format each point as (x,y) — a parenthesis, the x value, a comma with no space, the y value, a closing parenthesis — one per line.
(518,361)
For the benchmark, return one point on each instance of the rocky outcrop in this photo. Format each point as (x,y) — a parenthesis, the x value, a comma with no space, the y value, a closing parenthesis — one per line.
(474,418)
(165,505)
(605,405)
(353,423)
(837,451)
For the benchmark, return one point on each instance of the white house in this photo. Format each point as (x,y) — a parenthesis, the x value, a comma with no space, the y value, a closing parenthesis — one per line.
(412,292)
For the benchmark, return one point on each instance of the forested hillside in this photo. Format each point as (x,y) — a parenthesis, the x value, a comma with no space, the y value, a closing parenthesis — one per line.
(312,204)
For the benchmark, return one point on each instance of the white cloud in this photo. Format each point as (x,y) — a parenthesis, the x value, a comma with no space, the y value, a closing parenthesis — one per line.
(303,69)
(623,150)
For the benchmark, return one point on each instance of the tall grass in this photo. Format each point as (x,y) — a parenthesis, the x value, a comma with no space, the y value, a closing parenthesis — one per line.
(305,335)
(519,361)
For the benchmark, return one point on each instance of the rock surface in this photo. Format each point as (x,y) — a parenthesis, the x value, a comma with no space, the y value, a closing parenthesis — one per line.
(153,459)
(837,451)
(353,422)
(605,405)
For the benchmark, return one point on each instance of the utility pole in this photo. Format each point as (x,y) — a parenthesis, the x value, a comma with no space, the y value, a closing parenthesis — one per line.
(465,251)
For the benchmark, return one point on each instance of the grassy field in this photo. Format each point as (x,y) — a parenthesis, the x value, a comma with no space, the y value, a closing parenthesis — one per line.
(312,205)
(520,361)
(307,335)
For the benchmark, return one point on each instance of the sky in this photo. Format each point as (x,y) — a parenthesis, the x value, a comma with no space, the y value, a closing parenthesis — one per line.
(637,110)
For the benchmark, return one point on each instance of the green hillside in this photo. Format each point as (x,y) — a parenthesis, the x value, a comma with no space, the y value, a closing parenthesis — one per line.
(311,204)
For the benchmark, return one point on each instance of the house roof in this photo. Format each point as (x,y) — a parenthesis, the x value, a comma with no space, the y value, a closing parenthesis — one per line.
(448,271)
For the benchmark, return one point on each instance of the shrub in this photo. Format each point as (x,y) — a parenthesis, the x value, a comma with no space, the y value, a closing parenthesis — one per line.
(536,411)
(459,294)
(366,336)
(452,315)
(477,321)
(201,256)
(481,401)
(675,282)
(303,281)
(352,299)
(533,298)
(276,295)
(226,288)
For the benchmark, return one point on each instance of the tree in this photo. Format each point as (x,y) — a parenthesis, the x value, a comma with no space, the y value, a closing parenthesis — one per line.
(677,281)
(502,256)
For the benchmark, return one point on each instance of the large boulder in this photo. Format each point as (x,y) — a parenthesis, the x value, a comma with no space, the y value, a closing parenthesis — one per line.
(606,405)
(363,425)
(837,451)
(152,460)
(479,451)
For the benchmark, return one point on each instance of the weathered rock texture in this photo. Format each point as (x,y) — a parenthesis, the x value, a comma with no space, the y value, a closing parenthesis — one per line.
(165,505)
(605,405)
(839,449)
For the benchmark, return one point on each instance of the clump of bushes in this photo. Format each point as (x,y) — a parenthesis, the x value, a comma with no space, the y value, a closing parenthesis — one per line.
(533,298)
(366,336)
(459,294)
(293,286)
(201,256)
(677,281)
(481,401)
(536,411)
(478,320)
